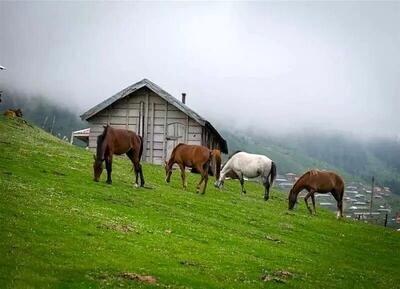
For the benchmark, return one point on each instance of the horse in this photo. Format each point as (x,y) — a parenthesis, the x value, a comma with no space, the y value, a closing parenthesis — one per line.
(315,181)
(242,164)
(194,156)
(118,141)
(12,113)
(215,164)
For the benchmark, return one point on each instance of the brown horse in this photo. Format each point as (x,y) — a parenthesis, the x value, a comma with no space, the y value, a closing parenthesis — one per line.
(322,182)
(193,156)
(12,113)
(118,141)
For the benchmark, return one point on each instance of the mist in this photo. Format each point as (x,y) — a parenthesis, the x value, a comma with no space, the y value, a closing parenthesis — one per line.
(279,67)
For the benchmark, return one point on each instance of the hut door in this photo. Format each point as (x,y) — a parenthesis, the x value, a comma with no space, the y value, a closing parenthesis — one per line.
(175,134)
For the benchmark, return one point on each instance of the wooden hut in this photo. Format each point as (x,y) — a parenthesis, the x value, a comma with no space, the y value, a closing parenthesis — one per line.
(161,119)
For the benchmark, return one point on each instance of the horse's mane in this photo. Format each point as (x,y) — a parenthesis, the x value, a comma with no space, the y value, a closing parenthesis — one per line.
(233,155)
(100,140)
(174,150)
(306,174)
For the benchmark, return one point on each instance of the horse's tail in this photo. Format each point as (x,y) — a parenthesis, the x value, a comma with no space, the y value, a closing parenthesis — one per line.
(217,160)
(272,173)
(141,147)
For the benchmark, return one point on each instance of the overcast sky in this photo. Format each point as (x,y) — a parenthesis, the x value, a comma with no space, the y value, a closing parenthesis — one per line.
(270,65)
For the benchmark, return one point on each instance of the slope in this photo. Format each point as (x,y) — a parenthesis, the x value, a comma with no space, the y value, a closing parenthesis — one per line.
(59,229)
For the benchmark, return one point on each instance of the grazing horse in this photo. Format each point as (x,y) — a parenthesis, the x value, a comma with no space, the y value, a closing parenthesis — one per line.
(193,156)
(315,181)
(242,164)
(118,141)
(12,113)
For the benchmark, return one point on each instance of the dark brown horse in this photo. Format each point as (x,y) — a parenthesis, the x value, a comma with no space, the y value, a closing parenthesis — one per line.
(118,141)
(322,182)
(193,156)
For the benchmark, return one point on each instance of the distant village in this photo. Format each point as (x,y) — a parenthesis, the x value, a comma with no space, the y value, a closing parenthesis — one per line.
(357,200)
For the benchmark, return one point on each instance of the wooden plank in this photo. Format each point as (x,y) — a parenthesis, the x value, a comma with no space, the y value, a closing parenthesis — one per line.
(193,122)
(133,112)
(195,129)
(117,120)
(165,132)
(158,137)
(152,133)
(160,113)
(160,106)
(133,120)
(121,104)
(158,145)
(158,129)
(133,127)
(158,153)
(194,137)
(176,120)
(146,120)
(194,142)
(114,112)
(177,114)
(156,99)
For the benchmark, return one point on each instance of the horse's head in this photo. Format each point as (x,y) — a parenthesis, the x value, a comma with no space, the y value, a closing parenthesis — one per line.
(219,184)
(292,199)
(168,172)
(97,169)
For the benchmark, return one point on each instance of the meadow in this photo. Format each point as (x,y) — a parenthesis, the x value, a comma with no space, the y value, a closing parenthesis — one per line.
(59,229)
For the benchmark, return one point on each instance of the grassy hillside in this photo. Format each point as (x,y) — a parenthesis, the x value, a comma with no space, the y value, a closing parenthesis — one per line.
(59,229)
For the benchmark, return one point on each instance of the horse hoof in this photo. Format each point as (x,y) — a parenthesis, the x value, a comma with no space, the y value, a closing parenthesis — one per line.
(136,186)
(109,182)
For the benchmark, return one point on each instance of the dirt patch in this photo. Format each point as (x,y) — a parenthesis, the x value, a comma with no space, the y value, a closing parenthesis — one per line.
(139,278)
(281,276)
(123,228)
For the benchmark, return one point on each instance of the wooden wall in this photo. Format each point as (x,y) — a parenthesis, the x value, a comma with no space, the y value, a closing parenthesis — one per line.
(161,124)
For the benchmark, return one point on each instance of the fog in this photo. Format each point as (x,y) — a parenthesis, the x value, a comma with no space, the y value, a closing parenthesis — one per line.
(274,66)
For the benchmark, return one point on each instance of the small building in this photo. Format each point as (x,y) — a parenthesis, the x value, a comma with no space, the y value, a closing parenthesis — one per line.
(162,120)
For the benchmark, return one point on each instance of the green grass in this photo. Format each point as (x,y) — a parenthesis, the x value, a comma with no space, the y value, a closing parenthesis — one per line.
(59,229)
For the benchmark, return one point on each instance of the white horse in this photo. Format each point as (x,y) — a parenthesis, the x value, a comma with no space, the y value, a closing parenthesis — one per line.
(247,165)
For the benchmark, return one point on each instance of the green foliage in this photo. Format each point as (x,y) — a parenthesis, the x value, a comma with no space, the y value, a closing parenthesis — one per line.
(59,229)
(44,113)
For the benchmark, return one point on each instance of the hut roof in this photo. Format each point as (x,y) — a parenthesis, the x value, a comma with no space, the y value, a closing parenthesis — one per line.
(164,95)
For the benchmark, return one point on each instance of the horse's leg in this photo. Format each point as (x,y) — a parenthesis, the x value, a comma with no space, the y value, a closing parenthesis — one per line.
(313,203)
(205,177)
(132,158)
(183,176)
(310,193)
(201,171)
(339,201)
(241,180)
(266,192)
(108,161)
